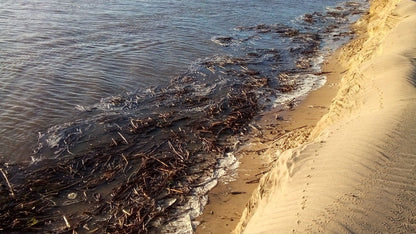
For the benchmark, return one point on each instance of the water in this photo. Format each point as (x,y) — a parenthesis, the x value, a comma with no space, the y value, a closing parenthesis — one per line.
(55,55)
(131,103)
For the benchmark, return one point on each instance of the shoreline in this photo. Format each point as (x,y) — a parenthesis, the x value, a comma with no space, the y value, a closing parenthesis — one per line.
(277,132)
(118,174)
(357,172)
(280,130)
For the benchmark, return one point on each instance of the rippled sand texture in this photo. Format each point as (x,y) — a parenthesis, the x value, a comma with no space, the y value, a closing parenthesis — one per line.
(359,174)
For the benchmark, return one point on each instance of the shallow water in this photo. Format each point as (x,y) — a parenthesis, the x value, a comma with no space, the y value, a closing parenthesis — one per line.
(56,56)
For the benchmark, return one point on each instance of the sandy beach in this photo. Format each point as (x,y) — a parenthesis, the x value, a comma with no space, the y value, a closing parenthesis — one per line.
(357,171)
(141,110)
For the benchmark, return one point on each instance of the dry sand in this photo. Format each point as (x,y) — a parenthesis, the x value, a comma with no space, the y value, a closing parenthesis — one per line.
(358,171)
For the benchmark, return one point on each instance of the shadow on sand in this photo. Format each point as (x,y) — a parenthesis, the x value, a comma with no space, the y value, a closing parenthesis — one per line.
(412,77)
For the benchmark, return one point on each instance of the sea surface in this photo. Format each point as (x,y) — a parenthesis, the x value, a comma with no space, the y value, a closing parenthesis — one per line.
(114,114)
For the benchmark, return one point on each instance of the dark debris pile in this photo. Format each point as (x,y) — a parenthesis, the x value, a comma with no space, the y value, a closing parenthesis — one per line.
(124,184)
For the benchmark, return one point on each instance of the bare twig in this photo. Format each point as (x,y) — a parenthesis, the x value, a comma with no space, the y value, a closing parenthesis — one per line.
(174,150)
(114,141)
(253,181)
(124,139)
(8,183)
(125,159)
(66,222)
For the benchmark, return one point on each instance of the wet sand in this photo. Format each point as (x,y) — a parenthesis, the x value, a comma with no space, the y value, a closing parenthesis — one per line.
(357,173)
(279,131)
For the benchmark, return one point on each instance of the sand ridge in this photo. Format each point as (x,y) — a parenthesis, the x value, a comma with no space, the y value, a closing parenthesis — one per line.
(358,173)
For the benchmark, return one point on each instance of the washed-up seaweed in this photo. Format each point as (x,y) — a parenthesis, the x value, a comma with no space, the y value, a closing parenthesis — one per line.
(137,157)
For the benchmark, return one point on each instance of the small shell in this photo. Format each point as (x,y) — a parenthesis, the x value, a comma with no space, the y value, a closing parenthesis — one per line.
(72,196)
